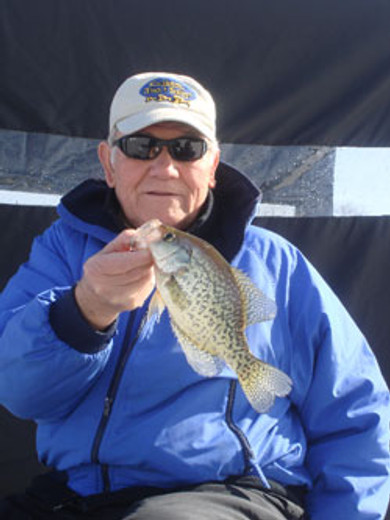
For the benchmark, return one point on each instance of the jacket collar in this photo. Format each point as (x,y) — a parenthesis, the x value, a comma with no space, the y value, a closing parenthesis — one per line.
(222,221)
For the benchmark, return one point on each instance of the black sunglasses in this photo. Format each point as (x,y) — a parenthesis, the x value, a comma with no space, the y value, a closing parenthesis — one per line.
(146,147)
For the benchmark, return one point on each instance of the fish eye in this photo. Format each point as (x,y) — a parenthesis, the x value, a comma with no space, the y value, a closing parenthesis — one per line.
(169,237)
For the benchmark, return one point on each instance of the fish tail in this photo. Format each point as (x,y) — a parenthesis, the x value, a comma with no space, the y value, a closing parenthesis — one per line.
(262,382)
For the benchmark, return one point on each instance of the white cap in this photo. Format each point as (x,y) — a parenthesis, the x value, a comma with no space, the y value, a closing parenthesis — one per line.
(154,97)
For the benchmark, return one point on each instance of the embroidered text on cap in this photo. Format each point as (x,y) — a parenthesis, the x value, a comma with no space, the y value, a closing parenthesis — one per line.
(168,90)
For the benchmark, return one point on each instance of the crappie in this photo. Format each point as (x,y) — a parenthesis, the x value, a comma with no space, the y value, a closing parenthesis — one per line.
(210,304)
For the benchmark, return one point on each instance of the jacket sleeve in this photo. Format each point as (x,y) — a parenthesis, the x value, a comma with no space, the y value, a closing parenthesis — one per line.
(44,373)
(343,402)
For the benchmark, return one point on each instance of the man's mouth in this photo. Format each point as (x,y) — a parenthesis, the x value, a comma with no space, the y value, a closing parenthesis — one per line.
(162,193)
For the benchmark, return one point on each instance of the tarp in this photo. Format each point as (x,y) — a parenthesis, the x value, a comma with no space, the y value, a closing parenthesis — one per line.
(282,72)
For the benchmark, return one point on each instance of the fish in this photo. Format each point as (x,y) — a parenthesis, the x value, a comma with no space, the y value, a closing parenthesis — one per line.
(210,305)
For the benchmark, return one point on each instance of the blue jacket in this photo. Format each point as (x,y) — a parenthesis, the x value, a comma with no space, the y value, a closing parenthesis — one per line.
(123,407)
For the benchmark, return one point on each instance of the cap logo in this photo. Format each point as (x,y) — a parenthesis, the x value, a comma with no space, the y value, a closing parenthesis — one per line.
(169,90)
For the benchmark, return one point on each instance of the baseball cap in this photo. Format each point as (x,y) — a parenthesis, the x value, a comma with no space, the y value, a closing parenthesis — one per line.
(154,97)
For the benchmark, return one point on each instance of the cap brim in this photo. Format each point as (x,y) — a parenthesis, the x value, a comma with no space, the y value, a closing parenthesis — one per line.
(137,122)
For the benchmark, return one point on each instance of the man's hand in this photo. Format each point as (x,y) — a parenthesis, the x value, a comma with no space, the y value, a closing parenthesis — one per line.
(115,279)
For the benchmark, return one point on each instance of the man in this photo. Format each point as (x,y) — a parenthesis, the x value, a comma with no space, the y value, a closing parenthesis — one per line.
(130,430)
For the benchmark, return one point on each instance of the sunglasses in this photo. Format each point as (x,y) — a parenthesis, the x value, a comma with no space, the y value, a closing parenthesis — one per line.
(146,147)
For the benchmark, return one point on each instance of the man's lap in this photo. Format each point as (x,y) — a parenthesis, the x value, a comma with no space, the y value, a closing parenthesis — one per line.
(238,498)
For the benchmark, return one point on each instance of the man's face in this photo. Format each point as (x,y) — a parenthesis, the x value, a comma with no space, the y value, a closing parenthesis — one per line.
(163,187)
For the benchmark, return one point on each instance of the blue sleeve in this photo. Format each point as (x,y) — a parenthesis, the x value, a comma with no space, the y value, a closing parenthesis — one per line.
(49,355)
(70,326)
(344,405)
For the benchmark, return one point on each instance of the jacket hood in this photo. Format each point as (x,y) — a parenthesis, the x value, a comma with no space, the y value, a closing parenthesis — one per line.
(92,207)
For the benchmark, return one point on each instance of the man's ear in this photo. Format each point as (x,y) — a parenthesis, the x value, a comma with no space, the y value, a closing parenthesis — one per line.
(214,167)
(104,154)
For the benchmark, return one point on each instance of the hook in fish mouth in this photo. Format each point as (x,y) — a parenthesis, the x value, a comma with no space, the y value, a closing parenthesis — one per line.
(149,232)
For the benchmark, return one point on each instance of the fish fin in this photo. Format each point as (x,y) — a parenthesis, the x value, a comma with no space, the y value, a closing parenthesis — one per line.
(259,307)
(262,382)
(156,306)
(200,360)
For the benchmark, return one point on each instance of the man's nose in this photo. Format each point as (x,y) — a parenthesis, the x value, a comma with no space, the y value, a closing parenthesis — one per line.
(164,165)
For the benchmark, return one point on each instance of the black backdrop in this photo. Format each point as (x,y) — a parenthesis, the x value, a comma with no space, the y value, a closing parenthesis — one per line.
(283,73)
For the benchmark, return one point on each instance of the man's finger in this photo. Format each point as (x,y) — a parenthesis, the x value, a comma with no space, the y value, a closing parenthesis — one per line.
(122,242)
(122,262)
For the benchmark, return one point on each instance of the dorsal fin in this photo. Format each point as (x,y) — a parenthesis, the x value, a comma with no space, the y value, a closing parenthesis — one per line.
(258,306)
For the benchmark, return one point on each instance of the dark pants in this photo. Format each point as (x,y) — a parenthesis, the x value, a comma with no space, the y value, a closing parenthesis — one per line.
(239,498)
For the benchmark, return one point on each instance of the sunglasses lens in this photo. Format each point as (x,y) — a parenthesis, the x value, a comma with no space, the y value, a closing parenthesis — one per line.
(187,149)
(137,147)
(145,147)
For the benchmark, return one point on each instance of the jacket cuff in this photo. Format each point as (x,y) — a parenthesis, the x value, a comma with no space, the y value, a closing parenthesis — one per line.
(71,327)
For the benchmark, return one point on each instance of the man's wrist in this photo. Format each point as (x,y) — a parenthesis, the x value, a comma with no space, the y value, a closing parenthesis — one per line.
(72,328)
(98,318)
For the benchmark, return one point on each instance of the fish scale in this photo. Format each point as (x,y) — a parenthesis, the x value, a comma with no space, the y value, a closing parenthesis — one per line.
(204,313)
(210,304)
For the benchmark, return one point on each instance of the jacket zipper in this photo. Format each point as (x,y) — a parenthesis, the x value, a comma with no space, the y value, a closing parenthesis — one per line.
(126,350)
(111,394)
(246,448)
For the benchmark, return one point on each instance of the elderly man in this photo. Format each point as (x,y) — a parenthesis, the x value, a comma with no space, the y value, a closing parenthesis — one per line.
(129,429)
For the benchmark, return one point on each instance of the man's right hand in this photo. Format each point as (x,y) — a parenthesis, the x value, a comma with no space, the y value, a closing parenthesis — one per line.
(114,280)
